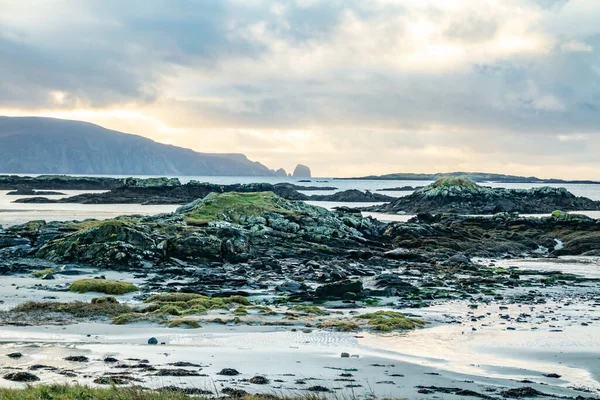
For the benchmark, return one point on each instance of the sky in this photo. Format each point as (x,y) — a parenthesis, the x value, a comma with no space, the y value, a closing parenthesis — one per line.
(349,88)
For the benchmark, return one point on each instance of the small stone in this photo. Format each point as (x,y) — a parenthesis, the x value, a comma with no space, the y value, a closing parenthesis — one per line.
(345,355)
(152,341)
(14,355)
(110,360)
(77,358)
(552,375)
(228,372)
(318,388)
(259,380)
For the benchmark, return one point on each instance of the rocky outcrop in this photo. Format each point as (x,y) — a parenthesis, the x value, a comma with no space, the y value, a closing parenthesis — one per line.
(463,196)
(353,195)
(503,234)
(301,171)
(230,226)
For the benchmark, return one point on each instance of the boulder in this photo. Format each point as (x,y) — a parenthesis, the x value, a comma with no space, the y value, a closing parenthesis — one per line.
(345,289)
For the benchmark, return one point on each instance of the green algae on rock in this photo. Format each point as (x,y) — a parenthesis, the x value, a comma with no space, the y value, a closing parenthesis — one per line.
(388,321)
(102,286)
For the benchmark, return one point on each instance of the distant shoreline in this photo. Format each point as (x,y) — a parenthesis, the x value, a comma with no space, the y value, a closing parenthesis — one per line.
(479,177)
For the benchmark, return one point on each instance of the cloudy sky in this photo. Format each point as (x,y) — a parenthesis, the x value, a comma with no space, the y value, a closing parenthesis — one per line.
(349,87)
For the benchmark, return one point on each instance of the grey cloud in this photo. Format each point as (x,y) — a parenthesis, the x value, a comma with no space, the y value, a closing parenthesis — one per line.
(505,105)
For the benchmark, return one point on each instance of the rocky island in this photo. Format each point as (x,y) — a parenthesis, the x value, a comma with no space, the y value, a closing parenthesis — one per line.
(463,196)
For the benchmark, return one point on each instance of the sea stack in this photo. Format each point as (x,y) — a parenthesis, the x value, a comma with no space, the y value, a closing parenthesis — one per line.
(281,173)
(301,171)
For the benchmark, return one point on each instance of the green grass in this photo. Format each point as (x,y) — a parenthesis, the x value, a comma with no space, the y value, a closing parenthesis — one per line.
(388,321)
(77,308)
(43,272)
(78,392)
(183,323)
(102,286)
(448,181)
(233,205)
(63,392)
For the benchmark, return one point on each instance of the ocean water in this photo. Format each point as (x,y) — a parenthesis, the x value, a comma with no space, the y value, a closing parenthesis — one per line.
(15,213)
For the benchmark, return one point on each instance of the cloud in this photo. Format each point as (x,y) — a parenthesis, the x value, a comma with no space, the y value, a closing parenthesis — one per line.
(574,46)
(350,87)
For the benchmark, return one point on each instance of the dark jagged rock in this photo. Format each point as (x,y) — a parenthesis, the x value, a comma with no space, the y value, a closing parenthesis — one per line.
(177,372)
(346,289)
(77,358)
(21,377)
(524,392)
(235,393)
(463,196)
(400,189)
(31,192)
(501,234)
(228,372)
(259,380)
(58,182)
(353,195)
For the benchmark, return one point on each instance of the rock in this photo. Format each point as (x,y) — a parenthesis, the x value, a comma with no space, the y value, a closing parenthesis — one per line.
(353,195)
(177,372)
(463,196)
(235,393)
(259,380)
(110,360)
(14,355)
(345,289)
(21,377)
(281,173)
(318,388)
(552,375)
(152,341)
(345,355)
(301,171)
(31,192)
(523,392)
(228,372)
(113,380)
(10,240)
(77,358)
